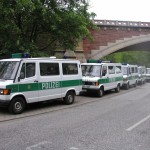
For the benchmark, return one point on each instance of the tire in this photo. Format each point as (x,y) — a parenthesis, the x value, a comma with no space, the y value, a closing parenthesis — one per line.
(69,98)
(135,85)
(140,83)
(17,105)
(100,92)
(117,89)
(127,86)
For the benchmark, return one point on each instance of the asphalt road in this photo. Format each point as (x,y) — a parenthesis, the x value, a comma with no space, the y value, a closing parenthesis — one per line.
(114,122)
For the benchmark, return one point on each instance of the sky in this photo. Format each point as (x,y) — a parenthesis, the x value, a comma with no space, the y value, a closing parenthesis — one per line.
(122,10)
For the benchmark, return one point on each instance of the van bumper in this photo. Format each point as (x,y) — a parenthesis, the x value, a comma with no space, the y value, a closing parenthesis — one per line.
(4,103)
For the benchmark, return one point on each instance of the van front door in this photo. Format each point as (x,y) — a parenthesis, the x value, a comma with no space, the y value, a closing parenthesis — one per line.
(28,84)
(105,78)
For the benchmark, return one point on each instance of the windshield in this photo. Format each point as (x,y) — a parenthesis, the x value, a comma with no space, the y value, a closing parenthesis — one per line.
(143,70)
(140,70)
(91,70)
(8,69)
(148,71)
(125,71)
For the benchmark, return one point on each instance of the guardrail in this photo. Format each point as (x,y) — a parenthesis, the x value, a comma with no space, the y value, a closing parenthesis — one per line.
(122,23)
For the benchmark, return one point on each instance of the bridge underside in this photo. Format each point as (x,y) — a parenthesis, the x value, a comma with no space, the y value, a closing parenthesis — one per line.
(145,46)
(135,43)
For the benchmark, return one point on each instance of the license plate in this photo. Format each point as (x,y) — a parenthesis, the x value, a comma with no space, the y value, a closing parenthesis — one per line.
(86,86)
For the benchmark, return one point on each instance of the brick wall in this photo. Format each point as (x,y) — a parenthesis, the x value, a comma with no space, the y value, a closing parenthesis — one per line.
(105,35)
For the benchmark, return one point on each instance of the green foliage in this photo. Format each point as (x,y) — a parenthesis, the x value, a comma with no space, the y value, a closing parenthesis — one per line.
(40,26)
(132,57)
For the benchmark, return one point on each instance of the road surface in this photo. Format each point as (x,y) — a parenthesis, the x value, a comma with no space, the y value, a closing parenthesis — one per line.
(117,121)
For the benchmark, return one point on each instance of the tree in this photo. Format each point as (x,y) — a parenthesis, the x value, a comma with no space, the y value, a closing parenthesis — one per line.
(39,26)
(131,57)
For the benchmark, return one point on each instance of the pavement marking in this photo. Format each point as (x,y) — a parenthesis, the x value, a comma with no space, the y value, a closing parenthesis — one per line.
(37,145)
(138,123)
(74,148)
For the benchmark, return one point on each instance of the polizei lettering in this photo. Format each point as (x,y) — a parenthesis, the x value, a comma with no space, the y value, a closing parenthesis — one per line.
(50,85)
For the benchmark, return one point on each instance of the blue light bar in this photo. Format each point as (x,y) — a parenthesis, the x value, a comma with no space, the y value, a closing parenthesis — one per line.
(25,55)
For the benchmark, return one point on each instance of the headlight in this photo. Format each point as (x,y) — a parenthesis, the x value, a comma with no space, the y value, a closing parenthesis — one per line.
(5,91)
(97,83)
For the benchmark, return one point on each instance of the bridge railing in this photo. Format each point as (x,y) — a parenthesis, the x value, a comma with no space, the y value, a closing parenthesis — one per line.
(122,23)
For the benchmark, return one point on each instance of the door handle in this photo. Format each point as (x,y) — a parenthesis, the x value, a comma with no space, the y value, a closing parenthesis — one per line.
(35,80)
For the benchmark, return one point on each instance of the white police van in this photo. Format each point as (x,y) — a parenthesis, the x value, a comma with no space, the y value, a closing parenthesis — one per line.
(147,75)
(130,75)
(100,77)
(141,75)
(29,80)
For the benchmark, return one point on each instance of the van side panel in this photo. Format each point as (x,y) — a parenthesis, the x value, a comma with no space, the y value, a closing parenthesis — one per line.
(49,82)
(71,77)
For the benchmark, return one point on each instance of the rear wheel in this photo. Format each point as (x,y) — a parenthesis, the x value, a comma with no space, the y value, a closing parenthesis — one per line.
(17,105)
(69,98)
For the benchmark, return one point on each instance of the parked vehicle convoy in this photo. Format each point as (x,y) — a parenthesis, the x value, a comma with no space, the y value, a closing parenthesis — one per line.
(29,80)
(100,77)
(26,80)
(141,75)
(130,75)
(147,75)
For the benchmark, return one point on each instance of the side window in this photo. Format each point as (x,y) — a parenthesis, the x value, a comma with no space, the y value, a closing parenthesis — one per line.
(129,70)
(69,69)
(132,69)
(111,69)
(49,69)
(104,70)
(27,70)
(118,69)
(136,70)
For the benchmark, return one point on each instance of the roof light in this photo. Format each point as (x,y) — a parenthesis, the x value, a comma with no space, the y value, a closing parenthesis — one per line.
(25,55)
(20,55)
(98,61)
(92,61)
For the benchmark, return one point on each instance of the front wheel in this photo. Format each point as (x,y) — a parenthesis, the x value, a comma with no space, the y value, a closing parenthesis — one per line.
(69,98)
(127,86)
(135,85)
(17,105)
(100,92)
(117,89)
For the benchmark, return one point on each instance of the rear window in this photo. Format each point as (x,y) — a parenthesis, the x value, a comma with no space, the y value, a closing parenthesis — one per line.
(118,69)
(111,69)
(70,69)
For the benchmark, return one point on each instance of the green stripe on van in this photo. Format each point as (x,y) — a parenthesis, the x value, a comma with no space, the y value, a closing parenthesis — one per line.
(71,83)
(110,80)
(133,77)
(43,85)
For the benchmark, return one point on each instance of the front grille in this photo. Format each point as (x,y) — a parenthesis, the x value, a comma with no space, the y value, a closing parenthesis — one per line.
(87,83)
